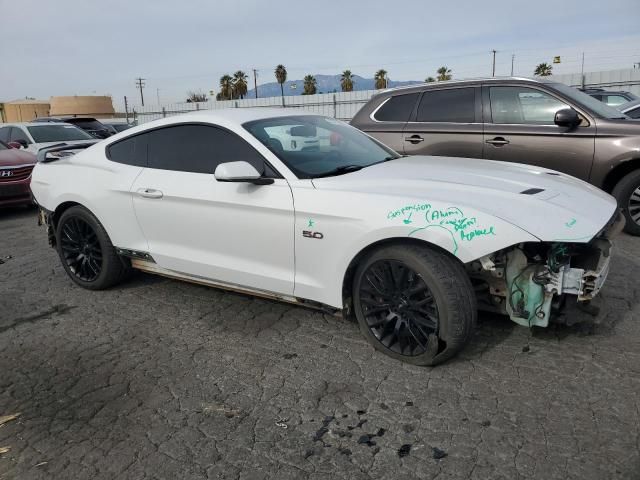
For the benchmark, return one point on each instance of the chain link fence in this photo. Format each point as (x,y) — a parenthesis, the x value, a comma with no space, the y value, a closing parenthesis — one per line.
(340,105)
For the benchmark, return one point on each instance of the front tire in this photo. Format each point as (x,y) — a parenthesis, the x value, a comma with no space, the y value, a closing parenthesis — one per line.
(414,303)
(627,193)
(86,252)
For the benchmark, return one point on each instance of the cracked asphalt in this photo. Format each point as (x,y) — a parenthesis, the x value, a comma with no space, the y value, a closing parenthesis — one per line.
(159,379)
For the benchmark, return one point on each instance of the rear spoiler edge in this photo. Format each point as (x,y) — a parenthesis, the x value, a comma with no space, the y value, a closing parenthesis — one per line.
(59,147)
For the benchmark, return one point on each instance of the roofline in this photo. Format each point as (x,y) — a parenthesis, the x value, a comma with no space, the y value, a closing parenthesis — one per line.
(465,80)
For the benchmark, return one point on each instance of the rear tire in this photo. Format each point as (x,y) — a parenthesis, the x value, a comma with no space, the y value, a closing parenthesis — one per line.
(627,193)
(86,252)
(414,303)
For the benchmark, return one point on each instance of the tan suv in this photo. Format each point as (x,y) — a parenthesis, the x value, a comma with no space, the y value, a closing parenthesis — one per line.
(514,120)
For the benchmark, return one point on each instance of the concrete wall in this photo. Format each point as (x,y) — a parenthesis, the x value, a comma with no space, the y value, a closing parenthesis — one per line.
(627,80)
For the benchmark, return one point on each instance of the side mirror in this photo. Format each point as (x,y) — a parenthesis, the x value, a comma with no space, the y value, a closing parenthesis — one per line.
(567,117)
(15,145)
(22,142)
(240,172)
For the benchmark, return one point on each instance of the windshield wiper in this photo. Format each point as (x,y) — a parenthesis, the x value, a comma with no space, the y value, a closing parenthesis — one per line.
(340,170)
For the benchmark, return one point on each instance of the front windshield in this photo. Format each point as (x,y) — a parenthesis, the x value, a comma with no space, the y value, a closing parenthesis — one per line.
(313,146)
(57,132)
(596,106)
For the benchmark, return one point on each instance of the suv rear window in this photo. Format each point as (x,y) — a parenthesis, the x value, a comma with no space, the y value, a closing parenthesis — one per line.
(455,105)
(397,109)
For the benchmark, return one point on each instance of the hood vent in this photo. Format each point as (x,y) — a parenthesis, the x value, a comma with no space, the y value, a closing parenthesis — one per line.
(532,191)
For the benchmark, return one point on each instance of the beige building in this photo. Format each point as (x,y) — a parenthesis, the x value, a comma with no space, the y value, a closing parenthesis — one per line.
(82,106)
(23,110)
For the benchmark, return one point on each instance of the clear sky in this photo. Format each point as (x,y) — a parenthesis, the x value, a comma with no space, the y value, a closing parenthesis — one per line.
(84,47)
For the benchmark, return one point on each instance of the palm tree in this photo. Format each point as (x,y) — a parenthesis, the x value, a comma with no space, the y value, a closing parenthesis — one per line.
(281,77)
(226,87)
(310,85)
(543,70)
(346,82)
(443,74)
(381,79)
(429,79)
(240,80)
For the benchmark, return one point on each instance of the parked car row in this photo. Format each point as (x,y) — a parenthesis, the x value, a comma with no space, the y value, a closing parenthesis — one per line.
(410,245)
(410,228)
(536,122)
(31,137)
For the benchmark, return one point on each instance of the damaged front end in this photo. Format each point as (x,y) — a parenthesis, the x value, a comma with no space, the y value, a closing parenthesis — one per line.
(530,282)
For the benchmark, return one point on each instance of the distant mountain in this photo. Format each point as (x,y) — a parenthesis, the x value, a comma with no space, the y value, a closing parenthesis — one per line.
(325,84)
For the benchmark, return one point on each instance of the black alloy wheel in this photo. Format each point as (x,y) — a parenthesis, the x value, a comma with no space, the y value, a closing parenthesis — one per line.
(627,193)
(399,309)
(81,249)
(634,206)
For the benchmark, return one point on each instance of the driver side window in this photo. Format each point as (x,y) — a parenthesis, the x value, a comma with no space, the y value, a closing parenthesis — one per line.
(521,105)
(198,149)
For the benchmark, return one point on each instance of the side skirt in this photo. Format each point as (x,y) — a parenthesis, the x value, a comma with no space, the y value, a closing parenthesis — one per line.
(143,262)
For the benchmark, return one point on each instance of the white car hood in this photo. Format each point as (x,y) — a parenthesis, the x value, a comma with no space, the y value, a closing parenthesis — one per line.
(562,208)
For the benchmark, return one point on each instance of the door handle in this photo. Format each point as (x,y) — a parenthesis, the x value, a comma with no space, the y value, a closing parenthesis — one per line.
(498,141)
(149,193)
(414,139)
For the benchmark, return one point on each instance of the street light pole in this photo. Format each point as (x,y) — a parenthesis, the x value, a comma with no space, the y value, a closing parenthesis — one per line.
(493,70)
(255,82)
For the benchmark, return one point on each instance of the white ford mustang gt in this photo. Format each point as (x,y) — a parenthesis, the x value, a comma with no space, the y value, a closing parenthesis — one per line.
(412,246)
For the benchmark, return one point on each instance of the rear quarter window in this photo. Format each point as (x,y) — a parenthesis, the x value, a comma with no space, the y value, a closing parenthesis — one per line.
(397,109)
(130,151)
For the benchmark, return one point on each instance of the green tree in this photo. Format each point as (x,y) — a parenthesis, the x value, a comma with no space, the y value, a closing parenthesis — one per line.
(346,82)
(281,77)
(310,85)
(240,80)
(381,79)
(543,70)
(226,87)
(444,74)
(429,79)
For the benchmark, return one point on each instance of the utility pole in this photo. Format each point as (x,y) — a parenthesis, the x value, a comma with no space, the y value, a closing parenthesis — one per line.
(582,71)
(158,95)
(255,82)
(126,109)
(513,56)
(140,85)
(493,70)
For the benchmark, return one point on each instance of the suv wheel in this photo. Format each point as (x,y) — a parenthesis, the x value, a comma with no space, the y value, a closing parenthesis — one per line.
(86,252)
(627,192)
(415,304)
